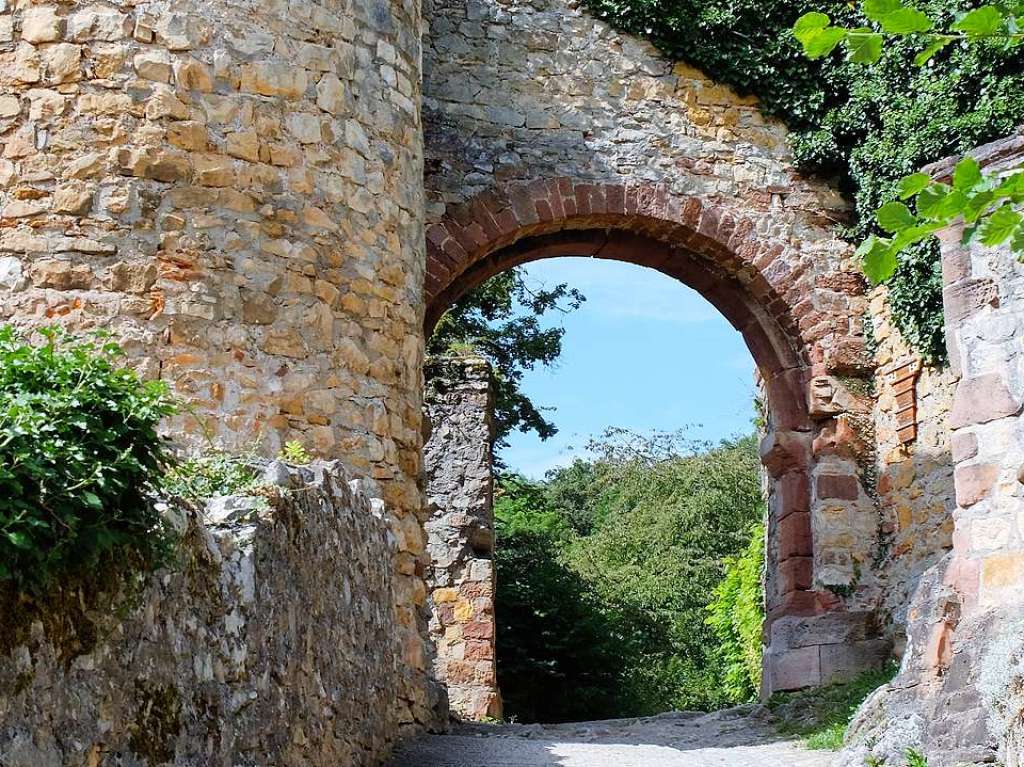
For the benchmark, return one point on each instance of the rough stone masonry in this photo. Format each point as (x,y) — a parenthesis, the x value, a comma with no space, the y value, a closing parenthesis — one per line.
(244,193)
(459,407)
(272,642)
(233,188)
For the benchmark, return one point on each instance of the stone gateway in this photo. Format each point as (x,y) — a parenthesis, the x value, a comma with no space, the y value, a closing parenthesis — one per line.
(270,204)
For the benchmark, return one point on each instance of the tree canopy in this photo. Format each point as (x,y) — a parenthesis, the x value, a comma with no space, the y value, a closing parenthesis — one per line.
(503,321)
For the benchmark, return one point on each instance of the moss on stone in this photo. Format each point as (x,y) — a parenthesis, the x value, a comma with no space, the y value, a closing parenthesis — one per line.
(158,723)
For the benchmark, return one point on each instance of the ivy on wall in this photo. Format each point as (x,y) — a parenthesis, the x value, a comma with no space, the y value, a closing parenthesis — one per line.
(867,126)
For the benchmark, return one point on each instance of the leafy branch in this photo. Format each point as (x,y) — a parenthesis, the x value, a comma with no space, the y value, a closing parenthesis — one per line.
(989,205)
(993,23)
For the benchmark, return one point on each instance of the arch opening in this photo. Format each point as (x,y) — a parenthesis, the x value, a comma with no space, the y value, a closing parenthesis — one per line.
(796,347)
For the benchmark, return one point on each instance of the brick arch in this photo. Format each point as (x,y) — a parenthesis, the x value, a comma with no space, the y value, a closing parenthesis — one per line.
(793,310)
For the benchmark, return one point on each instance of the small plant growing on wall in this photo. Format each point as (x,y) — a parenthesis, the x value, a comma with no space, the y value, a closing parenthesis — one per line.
(213,473)
(79,456)
(915,758)
(295,452)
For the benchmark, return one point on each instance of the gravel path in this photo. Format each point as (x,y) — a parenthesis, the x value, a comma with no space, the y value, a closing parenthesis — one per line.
(738,737)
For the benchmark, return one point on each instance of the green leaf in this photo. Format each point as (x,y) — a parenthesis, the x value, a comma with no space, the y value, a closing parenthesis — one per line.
(879,262)
(823,43)
(998,228)
(976,205)
(967,174)
(930,201)
(914,234)
(20,540)
(981,22)
(913,184)
(810,25)
(936,45)
(895,217)
(876,10)
(906,21)
(863,46)
(1017,244)
(1012,187)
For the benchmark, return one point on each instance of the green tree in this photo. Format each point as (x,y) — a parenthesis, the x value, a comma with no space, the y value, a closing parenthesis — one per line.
(560,653)
(606,571)
(501,320)
(676,511)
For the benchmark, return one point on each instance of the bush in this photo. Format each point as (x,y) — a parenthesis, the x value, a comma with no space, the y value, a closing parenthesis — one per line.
(737,616)
(79,453)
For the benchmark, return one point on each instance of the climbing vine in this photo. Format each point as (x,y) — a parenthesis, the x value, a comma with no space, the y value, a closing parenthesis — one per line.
(869,126)
(987,205)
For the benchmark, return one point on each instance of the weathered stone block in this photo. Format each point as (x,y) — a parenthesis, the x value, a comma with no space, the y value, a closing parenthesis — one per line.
(838,487)
(981,400)
(974,482)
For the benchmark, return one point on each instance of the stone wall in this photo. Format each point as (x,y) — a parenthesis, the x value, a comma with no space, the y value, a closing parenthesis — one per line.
(459,408)
(958,694)
(272,641)
(234,189)
(914,465)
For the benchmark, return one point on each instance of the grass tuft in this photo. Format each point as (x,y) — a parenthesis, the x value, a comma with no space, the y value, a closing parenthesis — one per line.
(821,716)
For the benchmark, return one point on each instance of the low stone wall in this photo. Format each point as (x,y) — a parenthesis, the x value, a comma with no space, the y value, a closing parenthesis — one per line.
(272,642)
(460,533)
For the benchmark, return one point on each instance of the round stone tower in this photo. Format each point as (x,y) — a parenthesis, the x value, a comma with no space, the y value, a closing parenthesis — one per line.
(234,190)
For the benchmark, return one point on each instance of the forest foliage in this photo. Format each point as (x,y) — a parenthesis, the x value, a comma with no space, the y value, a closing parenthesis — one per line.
(620,592)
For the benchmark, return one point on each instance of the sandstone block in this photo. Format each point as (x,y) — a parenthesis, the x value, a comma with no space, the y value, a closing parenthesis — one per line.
(98,23)
(11,273)
(244,145)
(193,75)
(784,451)
(844,487)
(214,170)
(164,103)
(792,670)
(981,400)
(974,482)
(274,79)
(10,106)
(60,274)
(330,94)
(63,63)
(795,536)
(1003,570)
(74,198)
(153,65)
(40,24)
(964,446)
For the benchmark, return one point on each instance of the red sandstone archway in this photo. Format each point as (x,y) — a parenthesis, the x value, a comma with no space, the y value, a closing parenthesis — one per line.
(793,310)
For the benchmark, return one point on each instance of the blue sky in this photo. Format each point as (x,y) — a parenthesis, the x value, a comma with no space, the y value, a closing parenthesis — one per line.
(644,352)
